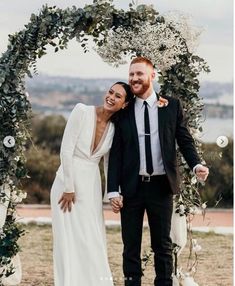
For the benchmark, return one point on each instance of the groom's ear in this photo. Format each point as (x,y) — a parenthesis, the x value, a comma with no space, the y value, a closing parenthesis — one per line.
(153,74)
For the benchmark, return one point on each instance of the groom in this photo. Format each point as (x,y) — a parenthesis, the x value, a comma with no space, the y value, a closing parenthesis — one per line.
(143,164)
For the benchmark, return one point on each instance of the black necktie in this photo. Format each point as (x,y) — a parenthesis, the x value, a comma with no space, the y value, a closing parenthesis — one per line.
(148,153)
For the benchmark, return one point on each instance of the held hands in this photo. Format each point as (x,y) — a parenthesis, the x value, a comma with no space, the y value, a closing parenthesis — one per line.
(116,203)
(202,173)
(66,201)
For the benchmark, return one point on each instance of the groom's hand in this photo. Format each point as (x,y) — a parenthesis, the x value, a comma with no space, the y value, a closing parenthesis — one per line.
(202,173)
(66,201)
(116,203)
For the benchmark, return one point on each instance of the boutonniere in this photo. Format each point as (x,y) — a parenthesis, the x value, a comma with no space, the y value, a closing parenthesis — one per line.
(162,102)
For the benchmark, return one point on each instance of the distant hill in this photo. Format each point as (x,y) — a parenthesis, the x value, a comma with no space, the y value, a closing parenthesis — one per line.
(217,93)
(59,94)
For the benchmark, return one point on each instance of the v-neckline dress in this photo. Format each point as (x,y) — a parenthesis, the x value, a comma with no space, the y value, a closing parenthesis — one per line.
(79,240)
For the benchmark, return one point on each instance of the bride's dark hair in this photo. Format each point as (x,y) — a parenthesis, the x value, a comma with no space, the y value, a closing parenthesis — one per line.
(129,93)
(129,98)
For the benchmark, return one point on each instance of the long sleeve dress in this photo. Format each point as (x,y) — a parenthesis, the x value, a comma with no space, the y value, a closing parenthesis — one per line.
(79,241)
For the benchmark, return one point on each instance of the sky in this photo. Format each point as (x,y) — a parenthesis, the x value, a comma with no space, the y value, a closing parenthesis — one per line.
(216,42)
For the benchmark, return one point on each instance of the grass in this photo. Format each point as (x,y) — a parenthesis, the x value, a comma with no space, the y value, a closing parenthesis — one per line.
(215,261)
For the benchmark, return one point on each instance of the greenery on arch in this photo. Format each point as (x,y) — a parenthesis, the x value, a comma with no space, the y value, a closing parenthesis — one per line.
(56,27)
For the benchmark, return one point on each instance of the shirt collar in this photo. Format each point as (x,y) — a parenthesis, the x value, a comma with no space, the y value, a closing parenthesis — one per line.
(150,100)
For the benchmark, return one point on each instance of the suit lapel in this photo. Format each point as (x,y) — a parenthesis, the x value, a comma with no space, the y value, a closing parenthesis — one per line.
(133,125)
(161,121)
(162,118)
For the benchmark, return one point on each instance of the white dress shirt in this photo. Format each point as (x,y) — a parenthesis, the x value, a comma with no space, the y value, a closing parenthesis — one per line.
(158,168)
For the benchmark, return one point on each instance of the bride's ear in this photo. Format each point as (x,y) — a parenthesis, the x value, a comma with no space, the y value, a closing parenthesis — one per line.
(125,105)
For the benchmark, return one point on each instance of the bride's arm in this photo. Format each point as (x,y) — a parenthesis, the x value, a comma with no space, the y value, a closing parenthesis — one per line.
(106,162)
(70,136)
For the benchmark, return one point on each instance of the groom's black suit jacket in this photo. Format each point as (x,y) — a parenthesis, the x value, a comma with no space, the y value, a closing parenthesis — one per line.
(124,158)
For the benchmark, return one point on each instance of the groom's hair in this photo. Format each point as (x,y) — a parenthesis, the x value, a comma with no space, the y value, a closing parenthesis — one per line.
(140,60)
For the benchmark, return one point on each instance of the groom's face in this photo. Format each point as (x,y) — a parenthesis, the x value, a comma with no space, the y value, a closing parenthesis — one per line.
(140,78)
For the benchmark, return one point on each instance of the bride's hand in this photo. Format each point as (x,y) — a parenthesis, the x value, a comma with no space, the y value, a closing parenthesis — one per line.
(116,203)
(66,201)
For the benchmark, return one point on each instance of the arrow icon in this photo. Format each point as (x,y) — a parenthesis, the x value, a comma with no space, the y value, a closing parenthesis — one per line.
(9,141)
(222,141)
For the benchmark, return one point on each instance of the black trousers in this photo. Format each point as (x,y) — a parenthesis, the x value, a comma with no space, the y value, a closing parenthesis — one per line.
(156,198)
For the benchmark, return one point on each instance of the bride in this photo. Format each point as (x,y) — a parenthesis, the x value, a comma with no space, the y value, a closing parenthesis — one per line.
(79,243)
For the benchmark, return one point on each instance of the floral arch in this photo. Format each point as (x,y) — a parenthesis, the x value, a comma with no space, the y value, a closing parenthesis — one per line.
(117,34)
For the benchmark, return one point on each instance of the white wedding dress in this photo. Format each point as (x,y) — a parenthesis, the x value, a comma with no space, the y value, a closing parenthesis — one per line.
(79,241)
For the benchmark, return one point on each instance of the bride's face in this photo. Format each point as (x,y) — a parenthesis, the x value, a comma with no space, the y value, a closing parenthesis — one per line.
(115,98)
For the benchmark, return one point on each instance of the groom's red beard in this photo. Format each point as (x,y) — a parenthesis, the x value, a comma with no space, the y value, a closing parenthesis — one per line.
(144,86)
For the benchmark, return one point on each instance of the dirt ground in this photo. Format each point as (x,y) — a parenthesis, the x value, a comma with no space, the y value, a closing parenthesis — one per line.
(215,261)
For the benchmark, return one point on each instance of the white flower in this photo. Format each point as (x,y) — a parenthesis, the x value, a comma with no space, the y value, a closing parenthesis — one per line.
(181,209)
(180,273)
(194,180)
(158,42)
(181,22)
(15,198)
(204,205)
(18,196)
(23,195)
(194,210)
(14,214)
(191,210)
(10,211)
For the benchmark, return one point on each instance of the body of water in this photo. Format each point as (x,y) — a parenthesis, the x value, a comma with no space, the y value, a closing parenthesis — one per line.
(215,127)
